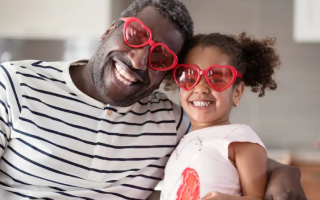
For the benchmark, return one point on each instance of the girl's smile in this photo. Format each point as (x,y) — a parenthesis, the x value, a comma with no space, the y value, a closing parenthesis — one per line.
(202,104)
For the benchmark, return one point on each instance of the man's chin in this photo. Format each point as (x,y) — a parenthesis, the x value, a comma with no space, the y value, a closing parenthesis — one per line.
(121,102)
(115,96)
(128,100)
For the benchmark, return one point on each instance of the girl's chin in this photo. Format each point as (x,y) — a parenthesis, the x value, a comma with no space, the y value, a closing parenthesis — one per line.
(203,121)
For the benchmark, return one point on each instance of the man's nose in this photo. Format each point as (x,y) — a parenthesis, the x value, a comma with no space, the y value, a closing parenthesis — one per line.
(139,57)
(202,87)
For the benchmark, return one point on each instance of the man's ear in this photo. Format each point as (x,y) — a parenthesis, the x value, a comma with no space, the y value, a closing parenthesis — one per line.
(105,34)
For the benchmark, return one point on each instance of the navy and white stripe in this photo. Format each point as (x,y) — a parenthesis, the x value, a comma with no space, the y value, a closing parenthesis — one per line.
(58,143)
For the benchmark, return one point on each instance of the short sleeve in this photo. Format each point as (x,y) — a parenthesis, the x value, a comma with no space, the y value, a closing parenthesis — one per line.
(243,133)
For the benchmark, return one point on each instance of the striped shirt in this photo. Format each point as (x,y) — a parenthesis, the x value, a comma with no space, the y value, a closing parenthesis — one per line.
(58,143)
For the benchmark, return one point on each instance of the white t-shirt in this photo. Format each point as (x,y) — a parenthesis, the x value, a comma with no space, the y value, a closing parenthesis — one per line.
(58,143)
(200,162)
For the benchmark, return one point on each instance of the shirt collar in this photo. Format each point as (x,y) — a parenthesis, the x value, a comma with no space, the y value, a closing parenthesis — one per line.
(86,98)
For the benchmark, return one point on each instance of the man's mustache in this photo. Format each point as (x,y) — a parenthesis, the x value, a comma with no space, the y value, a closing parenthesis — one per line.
(122,57)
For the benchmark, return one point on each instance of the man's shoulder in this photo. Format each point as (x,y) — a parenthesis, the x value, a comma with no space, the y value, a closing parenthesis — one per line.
(35,74)
(32,65)
(159,100)
(156,99)
(158,95)
(181,117)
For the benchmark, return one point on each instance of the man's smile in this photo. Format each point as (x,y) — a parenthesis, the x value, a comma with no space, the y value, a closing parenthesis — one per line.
(123,76)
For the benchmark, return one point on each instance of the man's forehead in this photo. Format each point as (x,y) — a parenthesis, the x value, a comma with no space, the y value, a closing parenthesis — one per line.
(163,31)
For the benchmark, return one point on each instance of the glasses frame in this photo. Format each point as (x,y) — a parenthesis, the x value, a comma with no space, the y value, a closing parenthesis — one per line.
(235,73)
(153,45)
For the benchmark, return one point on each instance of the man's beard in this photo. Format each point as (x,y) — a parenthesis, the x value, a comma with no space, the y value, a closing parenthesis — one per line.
(98,76)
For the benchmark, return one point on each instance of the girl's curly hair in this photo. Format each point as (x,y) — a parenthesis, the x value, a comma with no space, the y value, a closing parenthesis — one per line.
(255,59)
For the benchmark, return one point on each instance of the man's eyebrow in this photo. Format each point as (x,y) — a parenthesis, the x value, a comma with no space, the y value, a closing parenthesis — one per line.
(171,41)
(167,41)
(157,39)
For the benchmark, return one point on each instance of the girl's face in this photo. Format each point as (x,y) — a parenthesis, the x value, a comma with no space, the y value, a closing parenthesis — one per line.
(205,106)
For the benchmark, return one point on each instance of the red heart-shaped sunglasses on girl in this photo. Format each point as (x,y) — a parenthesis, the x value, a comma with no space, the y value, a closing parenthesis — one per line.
(187,76)
(137,35)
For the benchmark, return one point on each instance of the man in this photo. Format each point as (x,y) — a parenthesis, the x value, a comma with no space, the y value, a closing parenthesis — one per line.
(95,129)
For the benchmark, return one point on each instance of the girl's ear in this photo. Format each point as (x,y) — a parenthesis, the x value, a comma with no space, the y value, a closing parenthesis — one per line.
(237,93)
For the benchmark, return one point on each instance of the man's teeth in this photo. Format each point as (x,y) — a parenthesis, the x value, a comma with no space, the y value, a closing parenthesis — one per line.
(125,74)
(202,103)
(121,79)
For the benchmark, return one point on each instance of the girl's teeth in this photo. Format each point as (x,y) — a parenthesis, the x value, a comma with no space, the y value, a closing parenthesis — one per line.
(202,103)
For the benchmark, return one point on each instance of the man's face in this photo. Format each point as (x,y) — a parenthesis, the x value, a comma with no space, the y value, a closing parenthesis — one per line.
(121,74)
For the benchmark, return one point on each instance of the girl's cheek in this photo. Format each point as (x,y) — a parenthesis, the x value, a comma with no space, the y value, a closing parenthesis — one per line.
(182,98)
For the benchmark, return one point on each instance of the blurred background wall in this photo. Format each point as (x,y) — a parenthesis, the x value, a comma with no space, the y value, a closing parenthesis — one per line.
(286,119)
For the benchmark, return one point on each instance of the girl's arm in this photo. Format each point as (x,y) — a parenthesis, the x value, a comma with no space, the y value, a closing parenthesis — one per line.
(251,162)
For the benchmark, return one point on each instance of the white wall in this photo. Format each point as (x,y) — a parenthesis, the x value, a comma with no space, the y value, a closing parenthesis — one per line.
(54,19)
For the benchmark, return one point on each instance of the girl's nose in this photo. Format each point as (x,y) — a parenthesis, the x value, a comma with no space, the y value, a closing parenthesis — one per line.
(202,87)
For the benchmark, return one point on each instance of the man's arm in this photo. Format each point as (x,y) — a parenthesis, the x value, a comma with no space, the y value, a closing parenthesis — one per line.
(155,195)
(5,89)
(283,182)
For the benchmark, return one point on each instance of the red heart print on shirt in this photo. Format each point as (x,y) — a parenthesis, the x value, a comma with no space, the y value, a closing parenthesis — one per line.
(190,187)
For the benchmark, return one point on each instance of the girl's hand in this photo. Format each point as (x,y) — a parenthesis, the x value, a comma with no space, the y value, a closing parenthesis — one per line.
(214,196)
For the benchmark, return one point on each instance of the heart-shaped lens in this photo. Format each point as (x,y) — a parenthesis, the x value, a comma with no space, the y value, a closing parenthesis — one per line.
(186,76)
(220,77)
(161,57)
(136,34)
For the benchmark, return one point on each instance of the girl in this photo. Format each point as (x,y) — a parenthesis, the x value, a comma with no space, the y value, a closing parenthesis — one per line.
(218,156)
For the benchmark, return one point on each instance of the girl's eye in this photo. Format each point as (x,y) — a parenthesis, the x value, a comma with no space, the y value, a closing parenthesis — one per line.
(190,79)
(217,80)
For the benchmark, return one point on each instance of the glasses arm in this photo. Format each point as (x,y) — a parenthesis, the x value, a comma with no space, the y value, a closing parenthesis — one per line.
(239,74)
(124,19)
